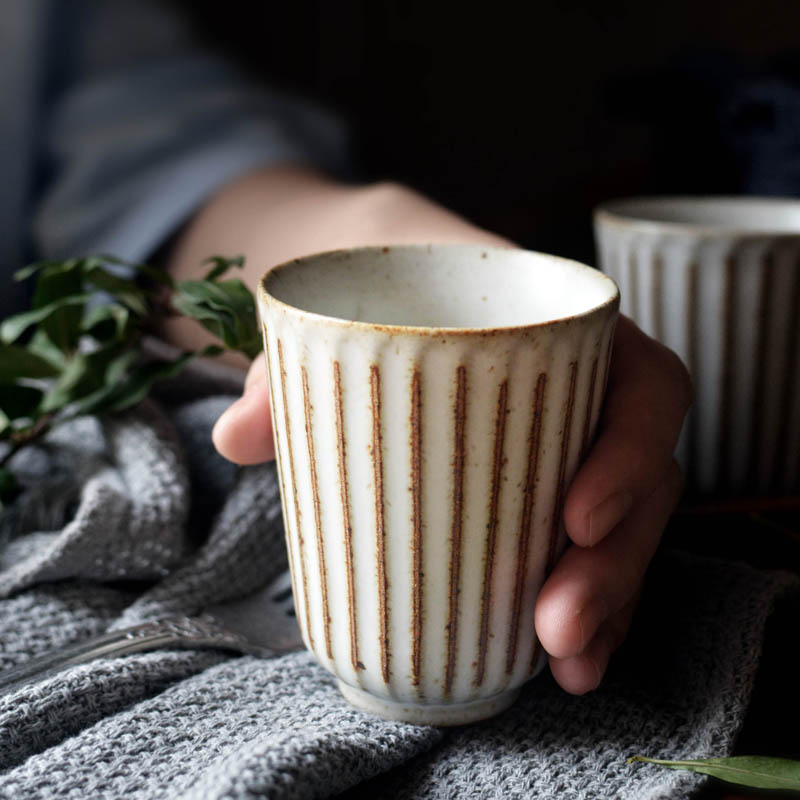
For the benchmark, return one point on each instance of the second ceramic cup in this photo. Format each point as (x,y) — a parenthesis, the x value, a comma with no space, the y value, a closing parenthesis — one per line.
(717,279)
(431,405)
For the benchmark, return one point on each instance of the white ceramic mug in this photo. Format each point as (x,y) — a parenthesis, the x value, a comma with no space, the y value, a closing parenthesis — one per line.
(430,406)
(717,279)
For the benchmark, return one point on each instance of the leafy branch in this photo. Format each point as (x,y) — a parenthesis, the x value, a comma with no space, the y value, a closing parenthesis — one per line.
(758,772)
(78,349)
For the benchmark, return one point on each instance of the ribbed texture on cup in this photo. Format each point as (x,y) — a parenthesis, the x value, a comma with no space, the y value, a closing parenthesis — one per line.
(423,481)
(730,308)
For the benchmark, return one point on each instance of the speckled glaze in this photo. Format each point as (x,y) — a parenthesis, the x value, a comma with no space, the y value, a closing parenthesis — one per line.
(430,406)
(717,279)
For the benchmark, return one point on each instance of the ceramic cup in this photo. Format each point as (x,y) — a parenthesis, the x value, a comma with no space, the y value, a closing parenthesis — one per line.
(430,406)
(717,279)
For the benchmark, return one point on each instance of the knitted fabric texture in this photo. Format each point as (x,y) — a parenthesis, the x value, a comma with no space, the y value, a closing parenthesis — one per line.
(191,724)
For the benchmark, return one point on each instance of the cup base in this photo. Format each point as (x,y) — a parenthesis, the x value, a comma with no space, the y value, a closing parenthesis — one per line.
(439,715)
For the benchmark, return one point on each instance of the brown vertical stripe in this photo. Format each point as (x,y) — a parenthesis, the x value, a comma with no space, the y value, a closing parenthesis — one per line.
(587,422)
(271,382)
(755,449)
(657,298)
(525,522)
(323,572)
(344,494)
(297,515)
(491,533)
(537,648)
(459,421)
(376,451)
(416,521)
(693,358)
(725,421)
(782,465)
(561,491)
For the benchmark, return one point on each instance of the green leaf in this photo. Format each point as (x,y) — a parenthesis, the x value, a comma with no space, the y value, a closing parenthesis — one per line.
(86,373)
(759,772)
(221,266)
(13,327)
(227,309)
(156,275)
(109,322)
(243,308)
(212,295)
(201,301)
(105,389)
(19,362)
(56,280)
(31,269)
(220,323)
(134,388)
(54,283)
(195,299)
(85,265)
(47,266)
(118,367)
(18,401)
(123,290)
(138,385)
(41,345)
(77,379)
(89,353)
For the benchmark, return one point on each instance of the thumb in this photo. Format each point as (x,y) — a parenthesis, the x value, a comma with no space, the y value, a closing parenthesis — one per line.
(243,433)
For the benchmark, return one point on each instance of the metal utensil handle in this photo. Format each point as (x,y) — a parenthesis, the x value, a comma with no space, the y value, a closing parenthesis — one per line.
(180,632)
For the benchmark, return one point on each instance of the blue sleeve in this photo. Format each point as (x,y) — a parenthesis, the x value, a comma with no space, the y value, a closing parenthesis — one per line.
(148,125)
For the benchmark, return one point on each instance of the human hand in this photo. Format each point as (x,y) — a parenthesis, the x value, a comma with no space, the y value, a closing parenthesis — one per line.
(615,511)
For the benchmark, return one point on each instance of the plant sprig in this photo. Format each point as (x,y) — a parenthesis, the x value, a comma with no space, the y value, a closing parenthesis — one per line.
(758,772)
(78,349)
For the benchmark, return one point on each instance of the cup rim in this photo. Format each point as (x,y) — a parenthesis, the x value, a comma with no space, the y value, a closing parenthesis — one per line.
(420,330)
(621,212)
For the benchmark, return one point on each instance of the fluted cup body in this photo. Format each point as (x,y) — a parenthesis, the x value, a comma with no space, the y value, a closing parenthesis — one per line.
(717,279)
(424,452)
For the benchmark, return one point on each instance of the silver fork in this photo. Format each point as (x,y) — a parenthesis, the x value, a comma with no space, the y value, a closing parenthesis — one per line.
(262,624)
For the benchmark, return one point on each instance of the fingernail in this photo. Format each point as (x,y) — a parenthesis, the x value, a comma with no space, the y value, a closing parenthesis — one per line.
(607,514)
(578,675)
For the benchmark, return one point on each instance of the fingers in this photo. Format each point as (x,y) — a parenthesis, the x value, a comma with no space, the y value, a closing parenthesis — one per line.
(243,434)
(584,608)
(615,511)
(648,395)
(584,672)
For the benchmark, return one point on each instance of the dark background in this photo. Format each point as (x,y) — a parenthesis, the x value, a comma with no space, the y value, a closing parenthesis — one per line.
(524,116)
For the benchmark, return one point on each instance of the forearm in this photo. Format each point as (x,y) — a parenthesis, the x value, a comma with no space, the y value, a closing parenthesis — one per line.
(276,214)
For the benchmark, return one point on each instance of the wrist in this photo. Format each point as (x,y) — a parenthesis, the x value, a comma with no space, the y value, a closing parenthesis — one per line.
(392,213)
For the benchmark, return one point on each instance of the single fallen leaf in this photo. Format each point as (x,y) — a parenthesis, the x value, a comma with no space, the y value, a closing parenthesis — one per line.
(758,772)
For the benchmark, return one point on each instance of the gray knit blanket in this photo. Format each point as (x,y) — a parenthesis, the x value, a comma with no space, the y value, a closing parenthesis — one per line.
(137,517)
